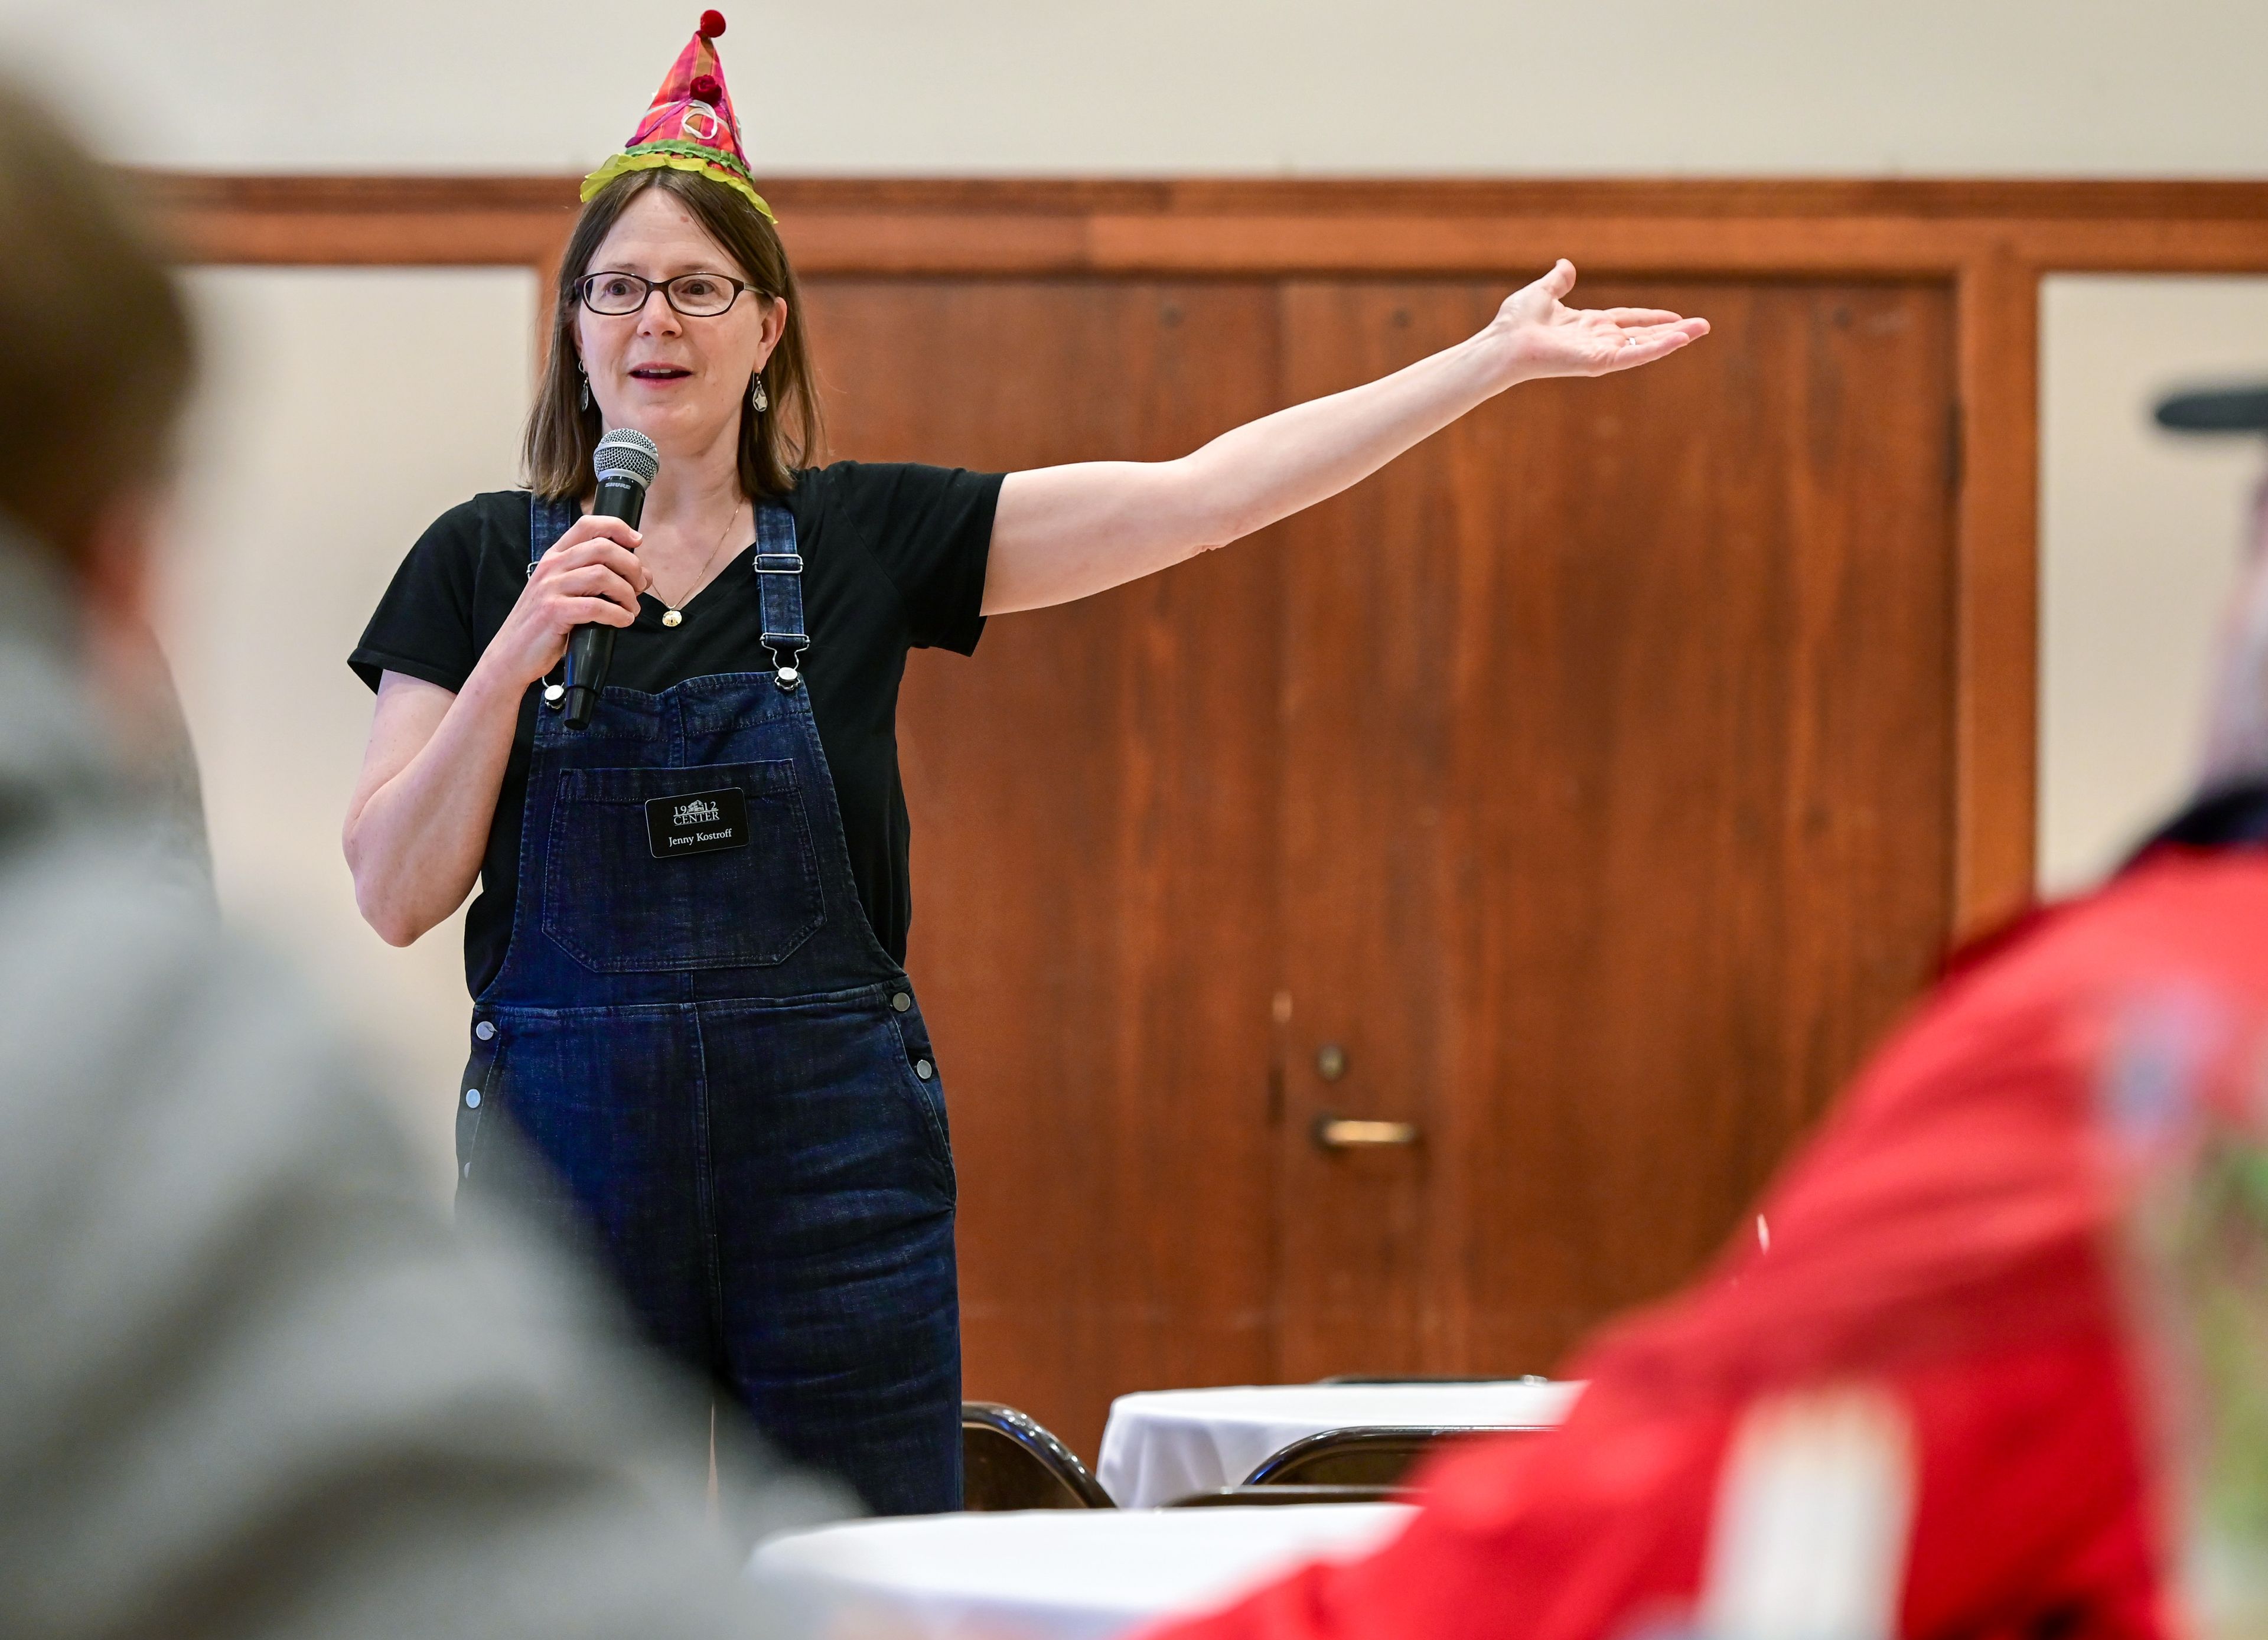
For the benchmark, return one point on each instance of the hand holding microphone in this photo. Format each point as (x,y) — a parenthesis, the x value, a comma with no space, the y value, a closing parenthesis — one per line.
(591,575)
(624,463)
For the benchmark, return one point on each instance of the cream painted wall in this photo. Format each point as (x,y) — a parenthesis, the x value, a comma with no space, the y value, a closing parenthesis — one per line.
(343,411)
(2140,535)
(2086,87)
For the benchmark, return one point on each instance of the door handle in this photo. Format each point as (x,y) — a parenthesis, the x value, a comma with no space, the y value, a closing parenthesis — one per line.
(1349,1133)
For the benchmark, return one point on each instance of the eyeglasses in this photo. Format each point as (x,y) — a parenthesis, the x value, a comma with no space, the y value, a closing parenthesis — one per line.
(694,295)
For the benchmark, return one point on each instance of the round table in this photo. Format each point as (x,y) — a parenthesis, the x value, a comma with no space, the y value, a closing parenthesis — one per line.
(1068,1574)
(1166,1444)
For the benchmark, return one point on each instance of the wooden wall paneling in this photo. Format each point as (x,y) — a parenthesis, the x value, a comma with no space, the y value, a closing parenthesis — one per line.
(1619,754)
(1094,801)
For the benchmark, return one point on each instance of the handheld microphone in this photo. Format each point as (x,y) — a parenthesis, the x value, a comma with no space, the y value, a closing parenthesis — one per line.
(625,463)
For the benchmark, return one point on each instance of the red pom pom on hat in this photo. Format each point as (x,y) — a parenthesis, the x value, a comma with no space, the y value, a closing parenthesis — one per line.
(712,24)
(706,88)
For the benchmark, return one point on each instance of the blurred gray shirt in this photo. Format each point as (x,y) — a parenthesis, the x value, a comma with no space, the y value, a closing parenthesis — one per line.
(252,1382)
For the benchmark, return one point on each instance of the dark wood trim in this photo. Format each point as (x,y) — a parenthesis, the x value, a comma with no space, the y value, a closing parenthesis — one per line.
(1260,228)
(362,221)
(1934,200)
(1996,591)
(1993,240)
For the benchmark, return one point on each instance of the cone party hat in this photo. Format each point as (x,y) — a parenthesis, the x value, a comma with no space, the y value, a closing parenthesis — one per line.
(691,126)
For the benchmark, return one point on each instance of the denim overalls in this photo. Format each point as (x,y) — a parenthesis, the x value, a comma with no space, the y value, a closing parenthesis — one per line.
(729,1078)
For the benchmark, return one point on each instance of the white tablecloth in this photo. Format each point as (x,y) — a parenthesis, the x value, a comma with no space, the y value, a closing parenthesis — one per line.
(1167,1443)
(1069,1574)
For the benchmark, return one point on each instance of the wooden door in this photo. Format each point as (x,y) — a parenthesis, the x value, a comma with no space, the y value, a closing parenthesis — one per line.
(1617,804)
(1095,808)
(1584,777)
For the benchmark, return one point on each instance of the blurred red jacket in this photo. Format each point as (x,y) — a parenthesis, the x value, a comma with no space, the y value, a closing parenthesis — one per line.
(1951,1234)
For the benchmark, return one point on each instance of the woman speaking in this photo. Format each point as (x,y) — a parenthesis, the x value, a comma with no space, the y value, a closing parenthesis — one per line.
(686,955)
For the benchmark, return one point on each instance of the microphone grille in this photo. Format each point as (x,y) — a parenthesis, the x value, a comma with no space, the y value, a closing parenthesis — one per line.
(626,455)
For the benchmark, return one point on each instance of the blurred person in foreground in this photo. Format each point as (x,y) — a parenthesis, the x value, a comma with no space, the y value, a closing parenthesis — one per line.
(1954,1240)
(251,1382)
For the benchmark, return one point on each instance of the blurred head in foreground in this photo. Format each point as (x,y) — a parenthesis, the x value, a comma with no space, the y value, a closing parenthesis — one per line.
(98,360)
(96,364)
(1998,1370)
(251,1383)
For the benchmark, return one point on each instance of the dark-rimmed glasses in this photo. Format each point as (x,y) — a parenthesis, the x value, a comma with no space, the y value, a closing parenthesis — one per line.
(694,295)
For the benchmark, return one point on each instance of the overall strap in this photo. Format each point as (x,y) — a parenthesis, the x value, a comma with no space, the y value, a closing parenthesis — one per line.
(779,588)
(548,518)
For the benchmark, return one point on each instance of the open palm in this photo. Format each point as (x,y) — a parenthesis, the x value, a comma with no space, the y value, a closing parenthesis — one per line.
(1548,338)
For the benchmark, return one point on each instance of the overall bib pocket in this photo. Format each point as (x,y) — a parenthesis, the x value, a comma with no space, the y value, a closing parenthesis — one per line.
(745,894)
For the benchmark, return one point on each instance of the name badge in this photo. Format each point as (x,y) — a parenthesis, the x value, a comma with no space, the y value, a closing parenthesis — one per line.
(698,823)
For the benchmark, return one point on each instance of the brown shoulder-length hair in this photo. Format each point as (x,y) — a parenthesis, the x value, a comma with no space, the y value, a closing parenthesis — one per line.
(562,435)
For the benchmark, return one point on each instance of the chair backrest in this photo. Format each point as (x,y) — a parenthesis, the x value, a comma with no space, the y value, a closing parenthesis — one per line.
(1245,1496)
(1365,1458)
(1008,1461)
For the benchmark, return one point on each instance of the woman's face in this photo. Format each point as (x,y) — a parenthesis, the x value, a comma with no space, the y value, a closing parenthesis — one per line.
(681,381)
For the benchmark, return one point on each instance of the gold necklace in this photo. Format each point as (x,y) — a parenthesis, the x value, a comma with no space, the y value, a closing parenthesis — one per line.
(671,611)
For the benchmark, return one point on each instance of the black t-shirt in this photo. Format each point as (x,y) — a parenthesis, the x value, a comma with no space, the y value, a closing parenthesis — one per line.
(894,558)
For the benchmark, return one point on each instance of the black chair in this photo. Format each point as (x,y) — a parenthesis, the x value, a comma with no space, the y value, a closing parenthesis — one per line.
(1008,1461)
(1243,1496)
(1372,1458)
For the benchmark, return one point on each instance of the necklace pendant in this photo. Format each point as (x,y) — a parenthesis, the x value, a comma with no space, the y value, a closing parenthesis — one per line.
(671,617)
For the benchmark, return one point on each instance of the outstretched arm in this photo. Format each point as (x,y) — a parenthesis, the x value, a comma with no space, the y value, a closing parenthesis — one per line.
(1062,532)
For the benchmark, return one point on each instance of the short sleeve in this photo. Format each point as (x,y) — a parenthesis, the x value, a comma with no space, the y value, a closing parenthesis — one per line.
(423,626)
(930,530)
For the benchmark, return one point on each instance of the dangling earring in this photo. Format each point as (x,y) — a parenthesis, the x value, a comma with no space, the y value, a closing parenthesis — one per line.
(758,400)
(584,400)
